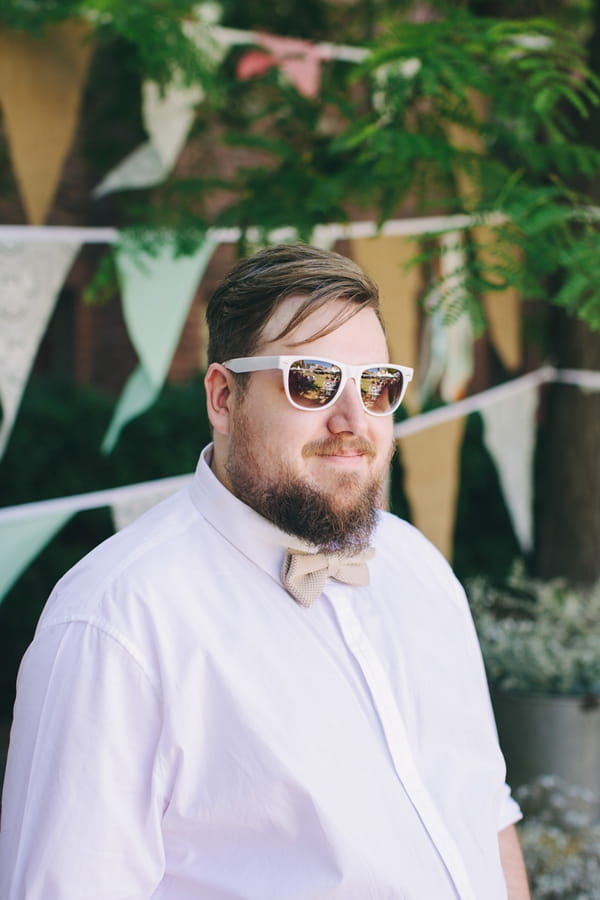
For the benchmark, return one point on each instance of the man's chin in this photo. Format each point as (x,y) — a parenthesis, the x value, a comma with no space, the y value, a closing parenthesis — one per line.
(343,489)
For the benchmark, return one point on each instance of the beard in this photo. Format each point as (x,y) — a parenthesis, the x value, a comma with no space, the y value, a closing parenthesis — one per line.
(330,521)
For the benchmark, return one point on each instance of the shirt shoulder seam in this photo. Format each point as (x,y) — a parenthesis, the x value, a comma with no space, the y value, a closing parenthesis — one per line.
(101,625)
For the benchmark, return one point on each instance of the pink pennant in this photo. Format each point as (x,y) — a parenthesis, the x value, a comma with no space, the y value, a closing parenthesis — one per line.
(299,60)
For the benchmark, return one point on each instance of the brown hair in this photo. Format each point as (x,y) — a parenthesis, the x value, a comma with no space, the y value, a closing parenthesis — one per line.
(246,299)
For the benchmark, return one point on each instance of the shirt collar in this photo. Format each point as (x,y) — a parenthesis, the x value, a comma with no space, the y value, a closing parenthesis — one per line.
(253,535)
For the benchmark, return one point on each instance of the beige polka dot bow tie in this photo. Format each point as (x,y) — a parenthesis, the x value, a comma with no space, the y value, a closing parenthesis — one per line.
(304,574)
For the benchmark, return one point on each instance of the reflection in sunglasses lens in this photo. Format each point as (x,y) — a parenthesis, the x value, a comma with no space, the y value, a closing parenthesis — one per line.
(380,389)
(313,382)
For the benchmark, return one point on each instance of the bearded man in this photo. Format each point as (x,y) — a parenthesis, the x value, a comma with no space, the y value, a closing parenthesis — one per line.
(266,688)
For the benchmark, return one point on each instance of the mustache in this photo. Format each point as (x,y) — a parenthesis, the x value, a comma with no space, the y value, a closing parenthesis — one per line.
(338,446)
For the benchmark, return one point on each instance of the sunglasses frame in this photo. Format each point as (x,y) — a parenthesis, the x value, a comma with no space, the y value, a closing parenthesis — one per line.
(244,364)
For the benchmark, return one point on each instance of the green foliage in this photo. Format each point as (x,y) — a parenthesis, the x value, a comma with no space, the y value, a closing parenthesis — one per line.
(561,243)
(405,125)
(154,29)
(35,15)
(513,152)
(310,18)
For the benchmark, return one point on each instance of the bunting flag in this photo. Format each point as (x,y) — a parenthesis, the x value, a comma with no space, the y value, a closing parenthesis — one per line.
(434,352)
(458,329)
(385,259)
(431,462)
(131,507)
(167,119)
(31,276)
(460,359)
(157,291)
(41,83)
(167,115)
(502,305)
(300,61)
(448,341)
(509,435)
(22,539)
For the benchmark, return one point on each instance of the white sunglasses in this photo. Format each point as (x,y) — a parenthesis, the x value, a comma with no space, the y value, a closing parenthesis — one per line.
(317,383)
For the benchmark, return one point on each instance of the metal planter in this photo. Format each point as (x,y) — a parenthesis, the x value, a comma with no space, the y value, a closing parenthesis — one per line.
(543,734)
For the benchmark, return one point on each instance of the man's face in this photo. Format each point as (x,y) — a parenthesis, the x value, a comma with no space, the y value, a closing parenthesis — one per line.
(317,474)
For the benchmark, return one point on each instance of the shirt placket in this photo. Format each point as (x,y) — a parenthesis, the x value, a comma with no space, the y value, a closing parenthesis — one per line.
(398,744)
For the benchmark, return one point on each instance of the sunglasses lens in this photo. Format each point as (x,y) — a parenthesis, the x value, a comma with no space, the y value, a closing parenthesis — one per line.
(381,389)
(313,382)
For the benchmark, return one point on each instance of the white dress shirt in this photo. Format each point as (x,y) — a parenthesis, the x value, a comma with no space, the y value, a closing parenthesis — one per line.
(185,731)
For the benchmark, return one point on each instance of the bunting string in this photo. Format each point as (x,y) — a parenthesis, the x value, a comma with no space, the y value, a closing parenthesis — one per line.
(585,379)
(93,499)
(321,233)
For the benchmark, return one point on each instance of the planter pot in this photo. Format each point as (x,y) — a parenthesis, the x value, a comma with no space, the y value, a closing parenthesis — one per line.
(542,734)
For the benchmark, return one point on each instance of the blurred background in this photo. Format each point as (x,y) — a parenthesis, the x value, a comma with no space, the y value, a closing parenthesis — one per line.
(453,150)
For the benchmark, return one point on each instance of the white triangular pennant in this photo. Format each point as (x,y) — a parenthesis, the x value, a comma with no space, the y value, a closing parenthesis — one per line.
(132,507)
(509,435)
(459,364)
(458,331)
(31,276)
(167,120)
(433,353)
(447,342)
(167,115)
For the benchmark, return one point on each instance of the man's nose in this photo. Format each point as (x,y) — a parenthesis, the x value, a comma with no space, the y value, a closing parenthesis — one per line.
(348,413)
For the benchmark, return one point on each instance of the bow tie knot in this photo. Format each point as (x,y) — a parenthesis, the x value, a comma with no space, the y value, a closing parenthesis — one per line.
(304,574)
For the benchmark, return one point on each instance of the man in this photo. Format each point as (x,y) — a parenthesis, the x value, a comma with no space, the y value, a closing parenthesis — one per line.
(203,715)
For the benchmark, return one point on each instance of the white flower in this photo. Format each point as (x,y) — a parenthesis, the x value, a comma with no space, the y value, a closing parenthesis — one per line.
(561,840)
(538,636)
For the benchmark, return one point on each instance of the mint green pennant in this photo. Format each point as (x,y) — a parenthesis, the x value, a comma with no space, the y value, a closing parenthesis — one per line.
(22,539)
(157,291)
(138,395)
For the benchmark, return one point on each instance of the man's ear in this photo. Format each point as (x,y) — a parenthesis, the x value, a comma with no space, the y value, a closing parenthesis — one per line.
(219,387)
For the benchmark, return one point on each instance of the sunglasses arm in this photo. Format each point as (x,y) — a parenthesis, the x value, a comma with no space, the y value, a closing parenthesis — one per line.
(253,363)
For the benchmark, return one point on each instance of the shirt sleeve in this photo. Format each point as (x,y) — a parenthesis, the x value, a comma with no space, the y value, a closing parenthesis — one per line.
(82,804)
(509,812)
